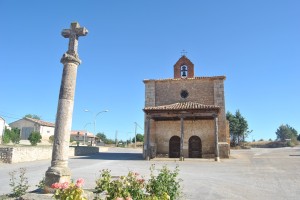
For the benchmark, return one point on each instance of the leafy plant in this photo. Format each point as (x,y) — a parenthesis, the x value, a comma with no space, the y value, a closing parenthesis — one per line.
(164,186)
(164,183)
(41,184)
(69,191)
(34,138)
(19,186)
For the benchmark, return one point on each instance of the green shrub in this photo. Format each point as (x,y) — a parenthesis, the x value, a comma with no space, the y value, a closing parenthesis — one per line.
(15,135)
(34,138)
(19,186)
(51,139)
(11,135)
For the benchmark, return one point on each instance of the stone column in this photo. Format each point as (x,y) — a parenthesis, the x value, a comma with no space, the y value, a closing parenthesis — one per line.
(181,138)
(148,137)
(217,157)
(59,170)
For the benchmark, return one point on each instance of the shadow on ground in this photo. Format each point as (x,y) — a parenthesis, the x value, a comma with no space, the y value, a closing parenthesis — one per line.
(112,156)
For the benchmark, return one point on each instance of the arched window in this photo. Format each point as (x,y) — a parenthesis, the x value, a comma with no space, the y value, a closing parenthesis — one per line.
(184,71)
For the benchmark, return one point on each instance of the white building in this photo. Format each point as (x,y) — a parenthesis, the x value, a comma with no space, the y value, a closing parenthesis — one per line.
(28,125)
(2,128)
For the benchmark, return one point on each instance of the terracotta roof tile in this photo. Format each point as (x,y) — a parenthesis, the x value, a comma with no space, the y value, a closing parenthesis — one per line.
(40,122)
(183,106)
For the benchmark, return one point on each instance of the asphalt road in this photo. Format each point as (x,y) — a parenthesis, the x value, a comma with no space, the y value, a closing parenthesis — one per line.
(248,174)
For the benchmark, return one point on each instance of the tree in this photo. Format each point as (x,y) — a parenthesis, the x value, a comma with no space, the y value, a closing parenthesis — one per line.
(139,138)
(34,138)
(238,127)
(6,136)
(102,136)
(286,132)
(33,116)
(104,139)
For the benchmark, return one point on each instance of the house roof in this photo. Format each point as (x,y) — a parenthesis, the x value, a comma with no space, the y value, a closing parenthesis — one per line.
(40,122)
(81,133)
(194,78)
(182,106)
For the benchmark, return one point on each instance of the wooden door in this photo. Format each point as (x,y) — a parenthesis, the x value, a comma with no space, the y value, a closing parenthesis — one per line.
(174,147)
(195,147)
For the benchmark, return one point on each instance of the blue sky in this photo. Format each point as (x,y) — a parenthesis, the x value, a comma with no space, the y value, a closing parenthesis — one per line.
(255,44)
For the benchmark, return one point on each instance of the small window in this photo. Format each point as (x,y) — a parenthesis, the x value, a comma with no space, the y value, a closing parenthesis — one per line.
(184,71)
(184,94)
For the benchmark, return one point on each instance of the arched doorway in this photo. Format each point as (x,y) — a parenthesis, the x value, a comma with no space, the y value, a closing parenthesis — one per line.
(195,147)
(174,147)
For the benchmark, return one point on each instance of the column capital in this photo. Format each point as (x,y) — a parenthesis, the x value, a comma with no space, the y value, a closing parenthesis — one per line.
(69,58)
(215,115)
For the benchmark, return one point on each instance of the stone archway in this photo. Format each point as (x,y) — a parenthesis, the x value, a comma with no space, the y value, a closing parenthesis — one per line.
(195,147)
(174,147)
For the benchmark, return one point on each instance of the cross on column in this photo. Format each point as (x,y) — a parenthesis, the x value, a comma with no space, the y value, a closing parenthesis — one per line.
(73,33)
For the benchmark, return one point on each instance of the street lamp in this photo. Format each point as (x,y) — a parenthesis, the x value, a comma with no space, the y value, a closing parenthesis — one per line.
(86,110)
(84,136)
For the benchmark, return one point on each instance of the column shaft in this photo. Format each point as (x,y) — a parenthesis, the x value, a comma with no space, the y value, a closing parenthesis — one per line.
(217,157)
(181,138)
(148,139)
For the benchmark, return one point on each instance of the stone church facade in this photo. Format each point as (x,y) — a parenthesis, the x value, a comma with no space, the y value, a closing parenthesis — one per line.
(185,115)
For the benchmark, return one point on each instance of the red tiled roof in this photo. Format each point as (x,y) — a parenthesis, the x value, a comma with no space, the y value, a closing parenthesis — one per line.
(81,133)
(40,122)
(183,106)
(195,78)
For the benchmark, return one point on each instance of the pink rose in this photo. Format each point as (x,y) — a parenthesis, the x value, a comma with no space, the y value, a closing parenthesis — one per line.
(128,198)
(79,182)
(119,198)
(56,186)
(65,185)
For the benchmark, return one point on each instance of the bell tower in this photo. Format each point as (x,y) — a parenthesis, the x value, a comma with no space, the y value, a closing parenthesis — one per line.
(183,68)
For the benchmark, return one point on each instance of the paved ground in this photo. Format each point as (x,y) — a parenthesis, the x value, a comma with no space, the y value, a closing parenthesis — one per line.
(249,174)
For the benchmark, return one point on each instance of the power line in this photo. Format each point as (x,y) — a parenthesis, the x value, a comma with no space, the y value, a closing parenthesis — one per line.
(138,125)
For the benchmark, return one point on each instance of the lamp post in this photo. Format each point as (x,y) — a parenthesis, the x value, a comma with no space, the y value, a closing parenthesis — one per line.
(86,110)
(84,135)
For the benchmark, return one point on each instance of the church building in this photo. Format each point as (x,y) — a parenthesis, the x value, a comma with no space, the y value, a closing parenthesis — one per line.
(185,115)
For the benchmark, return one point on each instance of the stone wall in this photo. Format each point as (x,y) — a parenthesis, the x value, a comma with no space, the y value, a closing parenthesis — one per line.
(30,153)
(82,150)
(200,91)
(204,129)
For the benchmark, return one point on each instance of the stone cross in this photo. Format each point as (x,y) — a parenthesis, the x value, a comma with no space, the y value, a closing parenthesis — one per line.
(183,52)
(59,170)
(73,33)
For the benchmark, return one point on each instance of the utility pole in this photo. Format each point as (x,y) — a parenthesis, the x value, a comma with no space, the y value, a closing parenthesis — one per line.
(135,134)
(116,138)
